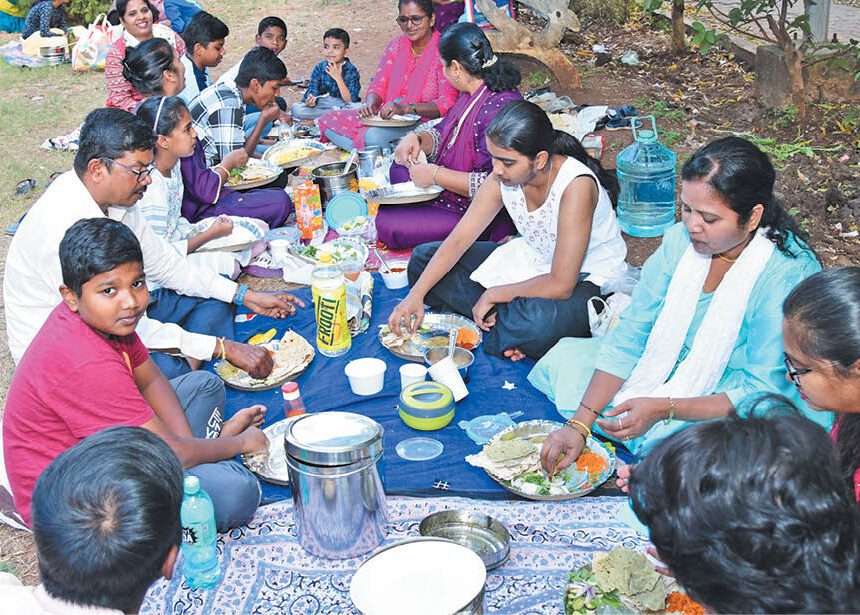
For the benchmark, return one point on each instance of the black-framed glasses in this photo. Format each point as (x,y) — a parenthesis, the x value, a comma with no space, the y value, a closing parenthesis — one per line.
(793,373)
(415,19)
(140,174)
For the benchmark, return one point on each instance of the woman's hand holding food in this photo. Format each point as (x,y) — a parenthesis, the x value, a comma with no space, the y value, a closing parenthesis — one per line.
(422,175)
(560,449)
(481,311)
(408,150)
(632,418)
(392,108)
(222,227)
(368,110)
(407,316)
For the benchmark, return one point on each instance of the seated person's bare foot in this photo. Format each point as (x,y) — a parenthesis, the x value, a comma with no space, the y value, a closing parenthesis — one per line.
(243,419)
(515,354)
(623,480)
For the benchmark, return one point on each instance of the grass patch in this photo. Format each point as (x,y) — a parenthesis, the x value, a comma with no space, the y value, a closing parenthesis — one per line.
(660,109)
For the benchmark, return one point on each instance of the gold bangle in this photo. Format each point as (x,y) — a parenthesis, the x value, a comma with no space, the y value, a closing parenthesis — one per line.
(576,425)
(434,173)
(223,349)
(671,416)
(589,408)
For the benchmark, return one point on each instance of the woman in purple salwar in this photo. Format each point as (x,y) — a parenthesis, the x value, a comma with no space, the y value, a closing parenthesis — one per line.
(456,148)
(206,195)
(448,12)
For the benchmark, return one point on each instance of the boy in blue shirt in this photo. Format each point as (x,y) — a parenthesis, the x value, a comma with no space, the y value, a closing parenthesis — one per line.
(335,82)
(204,42)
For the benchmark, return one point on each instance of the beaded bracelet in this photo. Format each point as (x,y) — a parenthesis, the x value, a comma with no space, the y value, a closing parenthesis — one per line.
(671,416)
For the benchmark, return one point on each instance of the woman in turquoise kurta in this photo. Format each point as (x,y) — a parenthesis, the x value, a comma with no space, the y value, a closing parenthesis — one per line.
(738,237)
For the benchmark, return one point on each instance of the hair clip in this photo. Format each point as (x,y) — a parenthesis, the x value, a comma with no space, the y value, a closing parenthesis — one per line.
(490,62)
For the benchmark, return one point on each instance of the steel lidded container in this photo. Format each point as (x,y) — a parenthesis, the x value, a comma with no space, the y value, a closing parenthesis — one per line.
(334,461)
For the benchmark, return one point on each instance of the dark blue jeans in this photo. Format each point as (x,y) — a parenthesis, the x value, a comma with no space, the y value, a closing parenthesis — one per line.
(194,314)
(531,324)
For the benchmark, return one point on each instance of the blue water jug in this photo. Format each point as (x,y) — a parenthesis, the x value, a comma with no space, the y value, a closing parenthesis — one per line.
(646,178)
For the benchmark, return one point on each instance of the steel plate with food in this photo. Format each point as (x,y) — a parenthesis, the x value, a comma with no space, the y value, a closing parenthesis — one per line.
(433,333)
(292,354)
(342,249)
(512,459)
(295,152)
(255,174)
(271,465)
(403,193)
(395,121)
(246,231)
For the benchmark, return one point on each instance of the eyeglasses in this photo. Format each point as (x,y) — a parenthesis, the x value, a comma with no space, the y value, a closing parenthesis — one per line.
(415,19)
(140,174)
(793,373)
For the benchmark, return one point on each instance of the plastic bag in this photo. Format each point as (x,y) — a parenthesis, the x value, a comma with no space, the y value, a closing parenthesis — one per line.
(600,323)
(624,282)
(92,49)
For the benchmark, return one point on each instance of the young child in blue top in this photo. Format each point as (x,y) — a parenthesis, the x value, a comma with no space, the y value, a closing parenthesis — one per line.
(335,82)
(204,42)
(45,15)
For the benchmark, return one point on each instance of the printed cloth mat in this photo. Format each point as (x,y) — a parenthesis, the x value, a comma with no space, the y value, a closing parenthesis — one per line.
(14,55)
(265,570)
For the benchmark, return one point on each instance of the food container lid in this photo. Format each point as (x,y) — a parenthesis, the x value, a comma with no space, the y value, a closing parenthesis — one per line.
(343,207)
(333,438)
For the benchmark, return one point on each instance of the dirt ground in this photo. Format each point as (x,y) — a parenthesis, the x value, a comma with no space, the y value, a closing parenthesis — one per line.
(694,98)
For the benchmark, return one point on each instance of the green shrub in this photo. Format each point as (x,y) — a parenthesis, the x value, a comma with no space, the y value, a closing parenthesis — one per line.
(610,12)
(82,12)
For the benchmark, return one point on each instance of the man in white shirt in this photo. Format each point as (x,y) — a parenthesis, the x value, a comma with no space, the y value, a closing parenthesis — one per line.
(111,172)
(106,524)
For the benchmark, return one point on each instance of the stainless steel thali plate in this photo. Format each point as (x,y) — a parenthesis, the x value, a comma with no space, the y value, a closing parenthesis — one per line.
(403,193)
(537,431)
(436,326)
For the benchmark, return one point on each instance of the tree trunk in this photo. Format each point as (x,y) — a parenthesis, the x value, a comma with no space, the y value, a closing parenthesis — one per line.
(679,44)
(794,63)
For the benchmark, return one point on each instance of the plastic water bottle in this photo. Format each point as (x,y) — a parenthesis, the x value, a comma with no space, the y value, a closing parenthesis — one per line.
(646,177)
(329,292)
(199,536)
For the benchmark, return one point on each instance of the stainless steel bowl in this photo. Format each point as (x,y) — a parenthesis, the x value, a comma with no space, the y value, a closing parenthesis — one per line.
(482,534)
(434,355)
(331,185)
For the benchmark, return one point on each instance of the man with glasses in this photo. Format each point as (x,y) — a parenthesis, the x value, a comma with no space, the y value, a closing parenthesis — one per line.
(111,173)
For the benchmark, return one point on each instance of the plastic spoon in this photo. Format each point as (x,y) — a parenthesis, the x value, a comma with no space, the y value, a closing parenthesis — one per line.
(349,162)
(452,342)
(381,260)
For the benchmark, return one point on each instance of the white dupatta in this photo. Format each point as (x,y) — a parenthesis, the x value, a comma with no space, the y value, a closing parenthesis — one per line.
(701,370)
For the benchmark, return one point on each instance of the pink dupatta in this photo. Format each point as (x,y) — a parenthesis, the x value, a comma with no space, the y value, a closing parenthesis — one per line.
(399,75)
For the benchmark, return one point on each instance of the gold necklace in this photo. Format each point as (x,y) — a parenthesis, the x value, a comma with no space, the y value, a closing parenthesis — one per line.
(727,259)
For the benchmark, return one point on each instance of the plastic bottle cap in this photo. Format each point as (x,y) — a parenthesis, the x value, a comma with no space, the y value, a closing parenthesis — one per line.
(290,390)
(646,136)
(191,485)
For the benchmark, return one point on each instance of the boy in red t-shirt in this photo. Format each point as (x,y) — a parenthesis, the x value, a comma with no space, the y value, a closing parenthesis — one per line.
(87,369)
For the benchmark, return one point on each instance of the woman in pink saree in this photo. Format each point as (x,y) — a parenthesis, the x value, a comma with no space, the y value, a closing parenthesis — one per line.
(456,148)
(408,80)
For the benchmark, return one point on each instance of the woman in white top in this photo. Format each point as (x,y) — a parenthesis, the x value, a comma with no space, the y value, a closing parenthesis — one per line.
(532,291)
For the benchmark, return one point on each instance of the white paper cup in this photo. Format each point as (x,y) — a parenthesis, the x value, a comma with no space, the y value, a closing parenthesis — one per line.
(395,279)
(445,372)
(412,373)
(366,376)
(280,250)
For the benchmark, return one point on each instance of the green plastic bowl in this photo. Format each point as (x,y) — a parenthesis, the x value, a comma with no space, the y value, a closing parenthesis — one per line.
(427,424)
